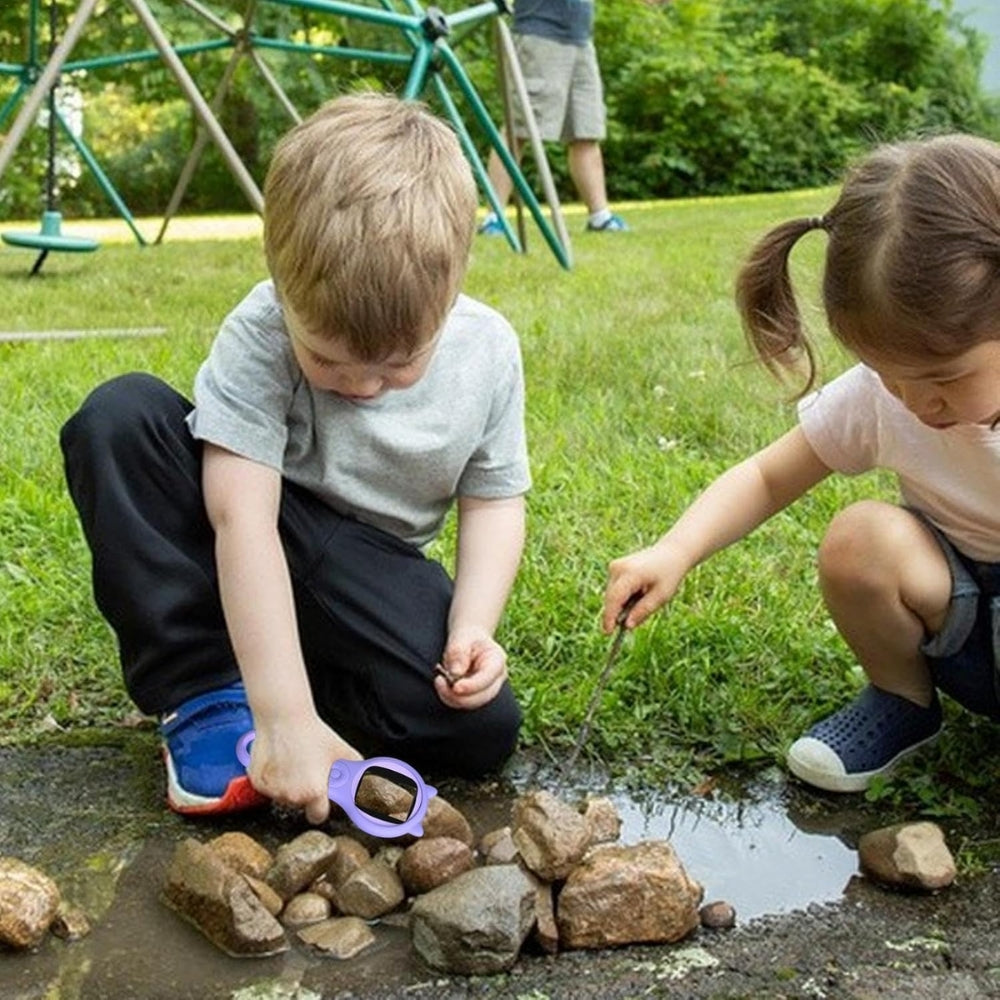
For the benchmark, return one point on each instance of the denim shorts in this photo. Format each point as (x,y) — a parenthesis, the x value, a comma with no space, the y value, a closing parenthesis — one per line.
(963,657)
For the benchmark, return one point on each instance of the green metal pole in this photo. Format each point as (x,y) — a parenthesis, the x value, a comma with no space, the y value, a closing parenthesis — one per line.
(483,117)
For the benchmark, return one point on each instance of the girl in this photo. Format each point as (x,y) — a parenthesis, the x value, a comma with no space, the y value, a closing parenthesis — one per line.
(911,286)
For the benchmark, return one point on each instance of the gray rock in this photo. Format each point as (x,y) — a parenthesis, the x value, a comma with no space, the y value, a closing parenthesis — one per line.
(371,891)
(475,924)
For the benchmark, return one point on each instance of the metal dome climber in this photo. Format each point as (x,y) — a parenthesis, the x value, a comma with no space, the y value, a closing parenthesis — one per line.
(50,237)
(427,34)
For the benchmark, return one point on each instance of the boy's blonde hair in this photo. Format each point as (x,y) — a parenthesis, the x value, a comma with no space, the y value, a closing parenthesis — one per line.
(912,264)
(369,213)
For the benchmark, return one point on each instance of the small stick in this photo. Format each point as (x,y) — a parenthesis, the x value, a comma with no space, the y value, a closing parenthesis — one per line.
(616,645)
(446,674)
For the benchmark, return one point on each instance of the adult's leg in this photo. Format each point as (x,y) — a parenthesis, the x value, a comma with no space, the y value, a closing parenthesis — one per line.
(499,178)
(887,585)
(134,473)
(372,615)
(584,127)
(586,168)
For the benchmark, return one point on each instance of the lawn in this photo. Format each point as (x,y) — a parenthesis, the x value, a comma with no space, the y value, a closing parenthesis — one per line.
(640,390)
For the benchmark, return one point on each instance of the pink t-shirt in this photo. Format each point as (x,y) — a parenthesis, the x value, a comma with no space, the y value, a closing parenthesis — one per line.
(953,476)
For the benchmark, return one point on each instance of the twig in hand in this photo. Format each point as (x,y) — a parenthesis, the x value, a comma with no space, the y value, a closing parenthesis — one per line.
(595,698)
(446,674)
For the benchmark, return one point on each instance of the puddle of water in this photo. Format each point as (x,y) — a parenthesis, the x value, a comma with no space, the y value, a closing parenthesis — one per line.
(750,853)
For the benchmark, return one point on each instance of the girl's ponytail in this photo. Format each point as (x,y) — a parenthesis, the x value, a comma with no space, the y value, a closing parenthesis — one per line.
(767,303)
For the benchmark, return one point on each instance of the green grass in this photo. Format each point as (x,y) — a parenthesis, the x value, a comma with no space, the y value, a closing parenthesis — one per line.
(640,391)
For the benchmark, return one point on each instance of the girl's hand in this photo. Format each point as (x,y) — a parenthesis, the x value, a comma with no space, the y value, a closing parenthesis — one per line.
(290,763)
(477,664)
(653,573)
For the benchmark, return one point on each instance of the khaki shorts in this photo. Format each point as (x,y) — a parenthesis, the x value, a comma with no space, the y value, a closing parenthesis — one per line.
(564,89)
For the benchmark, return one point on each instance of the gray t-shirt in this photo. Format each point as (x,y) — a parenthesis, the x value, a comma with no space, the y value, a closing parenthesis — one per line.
(397,462)
(567,21)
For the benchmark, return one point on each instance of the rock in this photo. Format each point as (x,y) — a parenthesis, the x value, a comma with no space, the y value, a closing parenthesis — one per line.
(444,820)
(220,903)
(498,848)
(70,923)
(340,937)
(628,895)
(371,891)
(603,819)
(551,836)
(29,900)
(546,928)
(476,923)
(907,856)
(305,908)
(432,861)
(717,915)
(349,856)
(273,903)
(242,853)
(300,862)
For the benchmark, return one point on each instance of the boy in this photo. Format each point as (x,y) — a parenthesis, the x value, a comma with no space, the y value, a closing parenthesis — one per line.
(259,555)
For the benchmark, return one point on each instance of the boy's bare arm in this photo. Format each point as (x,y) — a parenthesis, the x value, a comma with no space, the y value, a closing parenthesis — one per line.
(293,748)
(490,543)
(738,501)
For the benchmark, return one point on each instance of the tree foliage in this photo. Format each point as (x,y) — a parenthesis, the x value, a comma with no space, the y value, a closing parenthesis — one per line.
(704,96)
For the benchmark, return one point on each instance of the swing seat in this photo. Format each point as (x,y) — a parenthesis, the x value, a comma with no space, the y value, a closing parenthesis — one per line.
(50,237)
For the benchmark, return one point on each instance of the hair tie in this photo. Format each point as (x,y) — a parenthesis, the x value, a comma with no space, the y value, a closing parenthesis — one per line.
(816,222)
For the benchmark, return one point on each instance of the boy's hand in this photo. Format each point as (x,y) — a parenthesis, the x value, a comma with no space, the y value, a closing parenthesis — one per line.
(478,664)
(290,763)
(654,573)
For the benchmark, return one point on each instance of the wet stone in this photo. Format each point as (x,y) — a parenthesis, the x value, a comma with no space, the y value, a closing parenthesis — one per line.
(220,903)
(29,900)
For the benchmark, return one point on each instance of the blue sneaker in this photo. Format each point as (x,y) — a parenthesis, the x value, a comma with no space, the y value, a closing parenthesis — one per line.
(199,749)
(612,224)
(490,226)
(864,739)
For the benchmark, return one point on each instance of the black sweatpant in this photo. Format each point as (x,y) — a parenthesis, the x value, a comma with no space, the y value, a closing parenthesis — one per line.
(372,610)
